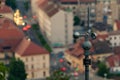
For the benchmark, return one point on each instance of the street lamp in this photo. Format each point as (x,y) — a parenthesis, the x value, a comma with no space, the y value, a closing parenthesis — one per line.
(86,46)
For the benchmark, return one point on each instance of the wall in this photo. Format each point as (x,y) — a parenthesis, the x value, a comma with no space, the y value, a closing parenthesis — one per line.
(36,65)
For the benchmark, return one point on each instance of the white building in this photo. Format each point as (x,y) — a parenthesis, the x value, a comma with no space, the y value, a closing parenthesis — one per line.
(55,24)
(114,38)
(35,58)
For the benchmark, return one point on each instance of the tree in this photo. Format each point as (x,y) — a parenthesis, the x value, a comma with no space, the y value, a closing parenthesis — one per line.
(3,71)
(16,70)
(76,20)
(26,5)
(11,3)
(102,69)
(58,75)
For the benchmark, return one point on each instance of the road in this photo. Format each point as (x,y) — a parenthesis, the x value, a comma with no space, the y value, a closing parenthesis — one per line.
(29,20)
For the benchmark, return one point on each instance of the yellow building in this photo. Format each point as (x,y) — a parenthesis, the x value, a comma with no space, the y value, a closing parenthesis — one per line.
(36,59)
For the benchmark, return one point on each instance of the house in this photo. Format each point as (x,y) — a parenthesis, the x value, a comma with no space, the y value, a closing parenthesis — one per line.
(10,37)
(113,38)
(35,58)
(100,50)
(13,43)
(5,11)
(55,23)
(75,55)
(113,62)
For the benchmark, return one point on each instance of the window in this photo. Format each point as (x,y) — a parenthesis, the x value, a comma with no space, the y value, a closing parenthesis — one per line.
(44,65)
(26,66)
(26,59)
(115,37)
(44,57)
(32,74)
(115,44)
(32,66)
(44,73)
(32,59)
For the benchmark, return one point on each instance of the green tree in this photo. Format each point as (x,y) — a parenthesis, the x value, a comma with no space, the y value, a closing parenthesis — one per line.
(3,71)
(11,3)
(58,75)
(102,69)
(26,5)
(76,20)
(17,70)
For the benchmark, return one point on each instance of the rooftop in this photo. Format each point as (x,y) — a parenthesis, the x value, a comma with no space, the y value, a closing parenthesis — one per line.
(28,48)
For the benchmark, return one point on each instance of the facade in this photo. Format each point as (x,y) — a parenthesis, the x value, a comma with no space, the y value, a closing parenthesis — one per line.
(107,11)
(5,11)
(80,8)
(55,24)
(114,38)
(113,63)
(36,59)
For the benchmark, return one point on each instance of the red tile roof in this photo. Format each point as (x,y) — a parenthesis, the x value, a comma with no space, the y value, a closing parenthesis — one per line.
(77,50)
(113,59)
(10,35)
(48,7)
(5,9)
(28,48)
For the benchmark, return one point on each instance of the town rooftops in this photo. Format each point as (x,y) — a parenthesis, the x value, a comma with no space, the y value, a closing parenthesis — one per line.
(114,33)
(28,48)
(10,35)
(113,60)
(48,7)
(77,50)
(4,8)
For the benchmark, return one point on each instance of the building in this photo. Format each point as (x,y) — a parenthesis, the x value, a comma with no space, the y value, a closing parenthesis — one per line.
(116,26)
(107,11)
(10,37)
(13,43)
(114,38)
(55,23)
(113,63)
(5,11)
(80,8)
(35,58)
(99,51)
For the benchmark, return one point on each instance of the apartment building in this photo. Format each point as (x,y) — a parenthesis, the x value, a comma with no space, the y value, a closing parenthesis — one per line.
(35,58)
(55,24)
(107,11)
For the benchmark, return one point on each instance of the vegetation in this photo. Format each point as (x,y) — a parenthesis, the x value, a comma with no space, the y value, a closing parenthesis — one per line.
(76,21)
(26,5)
(58,75)
(102,69)
(11,3)
(41,38)
(3,71)
(16,70)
